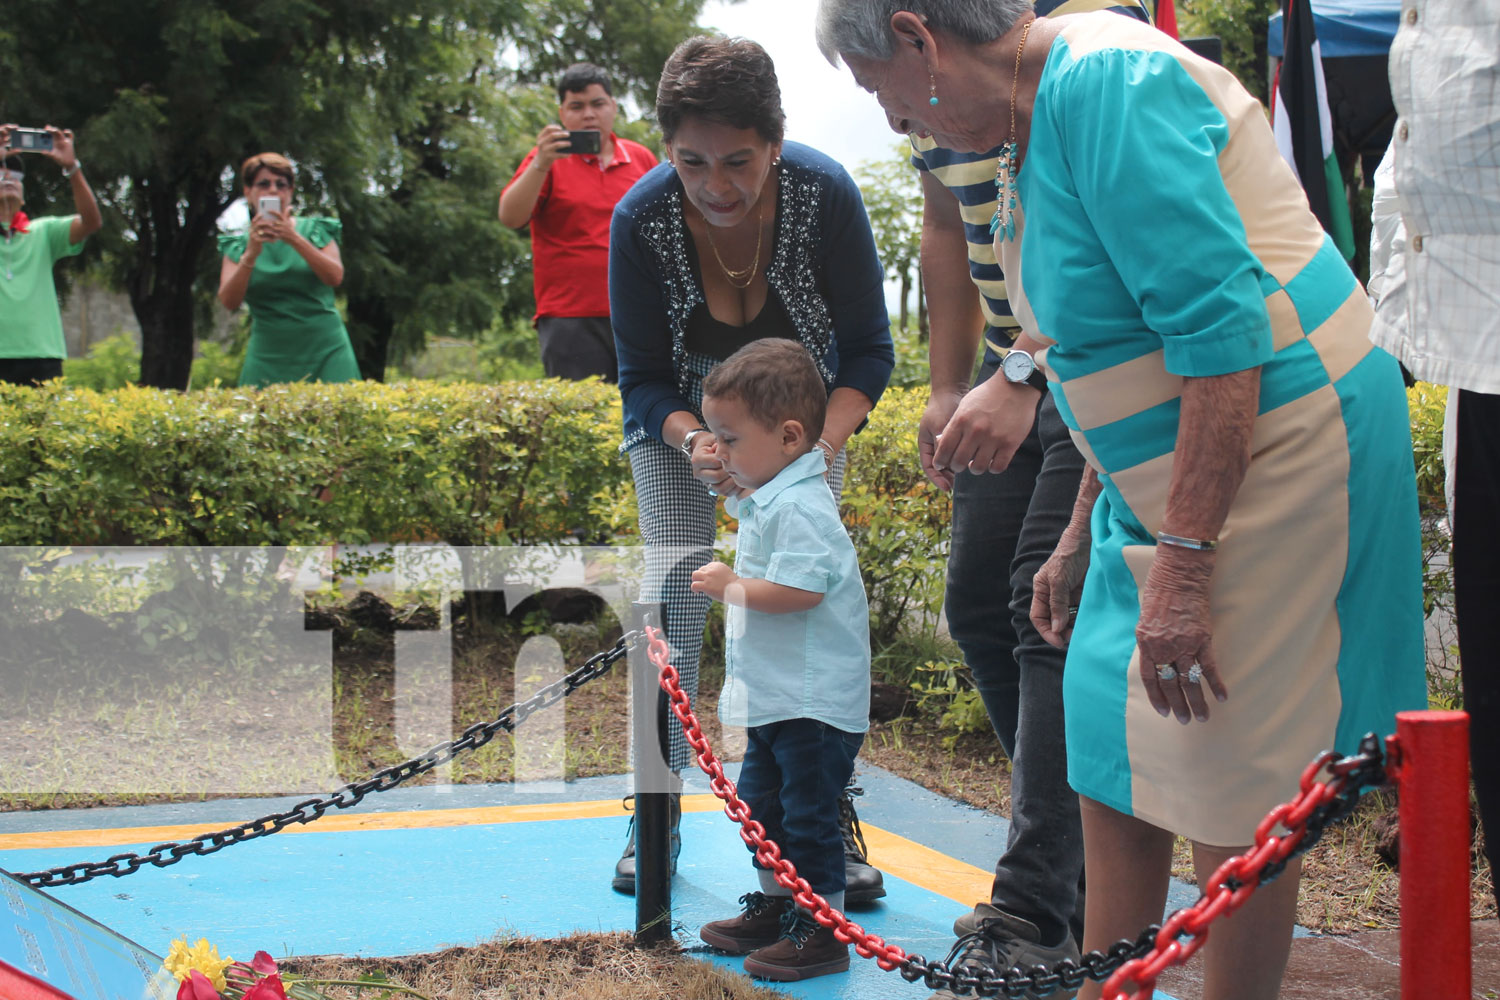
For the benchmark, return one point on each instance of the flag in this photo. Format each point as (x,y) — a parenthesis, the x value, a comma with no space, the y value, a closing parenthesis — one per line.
(1166,17)
(1304,126)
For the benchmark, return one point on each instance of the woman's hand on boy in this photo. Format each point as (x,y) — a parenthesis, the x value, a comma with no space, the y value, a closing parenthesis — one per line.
(713,579)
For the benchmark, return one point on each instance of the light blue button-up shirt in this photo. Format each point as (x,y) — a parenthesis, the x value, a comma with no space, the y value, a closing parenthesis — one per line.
(812,664)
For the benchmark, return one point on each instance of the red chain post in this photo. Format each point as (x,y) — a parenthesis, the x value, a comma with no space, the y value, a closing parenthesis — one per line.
(1432,776)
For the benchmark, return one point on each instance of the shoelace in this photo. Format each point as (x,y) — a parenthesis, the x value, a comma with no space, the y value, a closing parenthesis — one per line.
(798,925)
(854,835)
(755,903)
(976,949)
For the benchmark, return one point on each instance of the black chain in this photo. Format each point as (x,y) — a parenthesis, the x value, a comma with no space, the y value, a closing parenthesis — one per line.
(1366,769)
(383,780)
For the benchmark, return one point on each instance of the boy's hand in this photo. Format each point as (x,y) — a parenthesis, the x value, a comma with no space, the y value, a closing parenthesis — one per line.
(713,579)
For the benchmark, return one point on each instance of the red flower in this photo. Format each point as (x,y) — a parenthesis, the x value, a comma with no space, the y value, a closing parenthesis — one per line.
(19,223)
(264,964)
(197,987)
(269,988)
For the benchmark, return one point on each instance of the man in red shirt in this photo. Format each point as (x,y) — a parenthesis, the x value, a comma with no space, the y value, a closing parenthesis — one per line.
(568,199)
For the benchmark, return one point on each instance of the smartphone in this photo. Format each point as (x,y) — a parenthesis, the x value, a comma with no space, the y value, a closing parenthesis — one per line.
(269,204)
(31,140)
(583,141)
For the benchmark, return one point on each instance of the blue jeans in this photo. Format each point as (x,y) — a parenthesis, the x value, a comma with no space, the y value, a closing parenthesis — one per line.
(793,774)
(1015,519)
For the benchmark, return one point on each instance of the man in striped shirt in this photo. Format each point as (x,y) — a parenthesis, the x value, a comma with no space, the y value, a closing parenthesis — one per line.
(1002,449)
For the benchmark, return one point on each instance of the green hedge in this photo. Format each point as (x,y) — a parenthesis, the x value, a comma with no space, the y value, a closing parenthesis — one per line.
(467,464)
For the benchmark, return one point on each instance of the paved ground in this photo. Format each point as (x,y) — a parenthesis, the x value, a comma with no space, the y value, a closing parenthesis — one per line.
(415,870)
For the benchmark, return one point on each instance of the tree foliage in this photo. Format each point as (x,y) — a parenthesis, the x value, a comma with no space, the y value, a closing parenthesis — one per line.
(1241,25)
(893,199)
(405,116)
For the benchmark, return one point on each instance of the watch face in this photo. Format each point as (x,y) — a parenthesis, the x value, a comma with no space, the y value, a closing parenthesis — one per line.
(1017,366)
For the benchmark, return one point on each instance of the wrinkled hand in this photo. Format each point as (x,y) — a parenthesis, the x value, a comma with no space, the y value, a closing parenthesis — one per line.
(713,579)
(1176,628)
(987,427)
(1058,587)
(940,407)
(549,146)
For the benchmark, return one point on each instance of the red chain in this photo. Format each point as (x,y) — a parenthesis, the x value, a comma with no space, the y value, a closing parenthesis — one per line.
(1229,887)
(1180,937)
(868,945)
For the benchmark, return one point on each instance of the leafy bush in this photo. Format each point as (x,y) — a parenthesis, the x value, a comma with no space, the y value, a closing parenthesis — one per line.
(112,363)
(307,464)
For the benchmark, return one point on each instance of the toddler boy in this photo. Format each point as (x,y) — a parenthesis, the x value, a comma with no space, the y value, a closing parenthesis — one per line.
(797,647)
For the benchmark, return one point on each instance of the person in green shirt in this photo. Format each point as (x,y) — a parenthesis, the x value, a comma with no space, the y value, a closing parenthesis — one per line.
(32,347)
(286,269)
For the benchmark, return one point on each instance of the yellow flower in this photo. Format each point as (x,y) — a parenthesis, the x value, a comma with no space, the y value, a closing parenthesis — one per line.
(183,959)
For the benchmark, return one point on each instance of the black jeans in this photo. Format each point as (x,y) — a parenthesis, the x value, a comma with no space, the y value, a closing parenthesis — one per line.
(792,777)
(1014,519)
(576,347)
(1476,592)
(29,371)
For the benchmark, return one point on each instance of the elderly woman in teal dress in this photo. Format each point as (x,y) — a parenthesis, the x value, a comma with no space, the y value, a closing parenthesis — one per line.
(286,269)
(1244,554)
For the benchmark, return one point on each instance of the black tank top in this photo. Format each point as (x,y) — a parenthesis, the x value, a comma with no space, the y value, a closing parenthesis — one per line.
(706,335)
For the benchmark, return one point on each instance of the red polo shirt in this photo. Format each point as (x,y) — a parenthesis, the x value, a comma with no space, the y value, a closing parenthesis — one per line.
(570,227)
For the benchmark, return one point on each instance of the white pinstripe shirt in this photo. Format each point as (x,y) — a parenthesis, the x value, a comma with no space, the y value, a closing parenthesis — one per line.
(1440,313)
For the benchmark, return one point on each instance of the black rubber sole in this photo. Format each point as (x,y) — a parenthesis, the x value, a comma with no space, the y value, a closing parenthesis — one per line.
(733,946)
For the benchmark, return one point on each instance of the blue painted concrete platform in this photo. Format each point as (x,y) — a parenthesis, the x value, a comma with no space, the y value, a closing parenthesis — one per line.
(415,870)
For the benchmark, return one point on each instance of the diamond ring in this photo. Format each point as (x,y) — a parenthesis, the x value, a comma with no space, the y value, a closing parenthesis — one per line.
(1194,674)
(1165,672)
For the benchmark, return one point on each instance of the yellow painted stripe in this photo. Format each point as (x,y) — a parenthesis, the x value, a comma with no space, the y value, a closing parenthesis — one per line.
(895,855)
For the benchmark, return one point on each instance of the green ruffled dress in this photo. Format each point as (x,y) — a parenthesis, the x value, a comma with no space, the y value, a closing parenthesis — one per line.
(296,332)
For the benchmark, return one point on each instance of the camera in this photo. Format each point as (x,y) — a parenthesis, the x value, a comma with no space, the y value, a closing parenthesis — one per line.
(583,141)
(30,140)
(270,204)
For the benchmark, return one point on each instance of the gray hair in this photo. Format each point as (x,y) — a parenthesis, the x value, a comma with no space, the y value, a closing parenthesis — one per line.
(863,27)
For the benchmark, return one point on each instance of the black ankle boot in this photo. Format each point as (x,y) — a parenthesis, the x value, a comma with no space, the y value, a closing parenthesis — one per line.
(862,882)
(624,880)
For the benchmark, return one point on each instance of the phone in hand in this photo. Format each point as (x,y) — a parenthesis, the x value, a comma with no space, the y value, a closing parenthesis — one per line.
(585,140)
(269,205)
(31,140)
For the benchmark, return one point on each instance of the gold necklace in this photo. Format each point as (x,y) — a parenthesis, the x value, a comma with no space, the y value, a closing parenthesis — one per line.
(1003,225)
(739,277)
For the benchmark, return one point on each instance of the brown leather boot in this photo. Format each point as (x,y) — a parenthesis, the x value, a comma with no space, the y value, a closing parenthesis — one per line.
(758,926)
(806,949)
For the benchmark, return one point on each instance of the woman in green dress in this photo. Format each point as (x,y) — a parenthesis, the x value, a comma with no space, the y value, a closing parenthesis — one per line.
(286,269)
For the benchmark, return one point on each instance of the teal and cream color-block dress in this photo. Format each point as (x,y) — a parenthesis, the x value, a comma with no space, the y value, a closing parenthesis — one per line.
(1168,240)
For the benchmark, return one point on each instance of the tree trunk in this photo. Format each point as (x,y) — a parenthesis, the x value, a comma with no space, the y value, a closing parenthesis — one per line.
(166,318)
(905,294)
(172,238)
(371,326)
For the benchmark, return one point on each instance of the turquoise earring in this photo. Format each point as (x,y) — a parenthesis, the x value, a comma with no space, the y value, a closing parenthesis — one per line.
(933,81)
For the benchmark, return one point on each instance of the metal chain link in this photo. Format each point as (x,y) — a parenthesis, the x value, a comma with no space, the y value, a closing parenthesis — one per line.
(1319,805)
(351,794)
(1135,962)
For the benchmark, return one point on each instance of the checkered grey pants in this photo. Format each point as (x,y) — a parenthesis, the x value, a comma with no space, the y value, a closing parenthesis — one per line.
(678,524)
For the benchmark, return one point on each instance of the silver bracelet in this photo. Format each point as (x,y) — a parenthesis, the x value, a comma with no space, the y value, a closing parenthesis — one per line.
(828,453)
(77,166)
(1182,542)
(687,440)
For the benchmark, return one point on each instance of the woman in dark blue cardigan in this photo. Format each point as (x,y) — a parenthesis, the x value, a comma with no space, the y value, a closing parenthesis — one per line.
(738,237)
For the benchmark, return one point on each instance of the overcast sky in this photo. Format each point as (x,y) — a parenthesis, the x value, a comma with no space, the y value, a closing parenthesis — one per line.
(824,108)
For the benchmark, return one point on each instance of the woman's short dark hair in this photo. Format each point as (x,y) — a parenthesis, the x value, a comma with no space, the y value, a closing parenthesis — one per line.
(776,380)
(274,162)
(580,77)
(729,81)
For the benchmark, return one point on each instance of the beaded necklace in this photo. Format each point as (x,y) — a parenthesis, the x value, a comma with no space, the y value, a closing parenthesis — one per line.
(1003,227)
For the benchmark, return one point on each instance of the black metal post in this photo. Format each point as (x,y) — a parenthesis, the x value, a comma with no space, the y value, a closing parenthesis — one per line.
(654,783)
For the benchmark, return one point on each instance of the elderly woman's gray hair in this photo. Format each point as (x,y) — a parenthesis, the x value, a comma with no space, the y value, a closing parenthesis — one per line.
(863,27)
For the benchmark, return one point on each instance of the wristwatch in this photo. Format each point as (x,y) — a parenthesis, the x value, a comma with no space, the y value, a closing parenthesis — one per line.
(687,440)
(1020,366)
